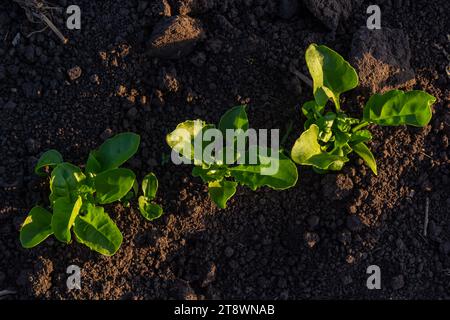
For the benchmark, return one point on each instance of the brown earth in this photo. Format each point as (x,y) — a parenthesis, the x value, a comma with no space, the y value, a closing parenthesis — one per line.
(313,241)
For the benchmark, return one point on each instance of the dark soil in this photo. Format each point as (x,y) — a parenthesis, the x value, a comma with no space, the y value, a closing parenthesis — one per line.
(314,241)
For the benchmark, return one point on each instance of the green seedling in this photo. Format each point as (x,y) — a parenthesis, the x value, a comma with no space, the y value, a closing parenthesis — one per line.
(331,136)
(148,208)
(76,197)
(223,172)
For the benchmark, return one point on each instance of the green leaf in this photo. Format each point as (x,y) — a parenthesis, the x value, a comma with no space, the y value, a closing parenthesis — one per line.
(36,227)
(148,209)
(396,107)
(183,137)
(64,214)
(113,184)
(331,74)
(93,165)
(98,231)
(307,151)
(117,150)
(235,118)
(65,181)
(364,152)
(150,186)
(285,173)
(360,136)
(311,109)
(50,158)
(221,191)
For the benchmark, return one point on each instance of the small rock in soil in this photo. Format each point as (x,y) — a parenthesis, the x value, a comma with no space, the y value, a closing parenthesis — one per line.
(132,113)
(108,133)
(175,37)
(74,73)
(382,59)
(29,90)
(330,12)
(229,252)
(398,282)
(337,187)
(311,238)
(198,59)
(346,280)
(31,146)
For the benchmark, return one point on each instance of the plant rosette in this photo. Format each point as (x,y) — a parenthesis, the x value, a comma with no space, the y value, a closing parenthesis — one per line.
(223,165)
(76,197)
(331,135)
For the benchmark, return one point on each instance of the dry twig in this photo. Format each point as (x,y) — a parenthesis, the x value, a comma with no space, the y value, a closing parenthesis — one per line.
(38,11)
(301,76)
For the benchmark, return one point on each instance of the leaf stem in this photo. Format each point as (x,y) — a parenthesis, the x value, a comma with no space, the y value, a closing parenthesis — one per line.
(360,126)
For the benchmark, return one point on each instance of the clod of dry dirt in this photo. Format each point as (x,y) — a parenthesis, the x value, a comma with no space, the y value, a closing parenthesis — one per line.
(185,7)
(74,73)
(382,59)
(175,37)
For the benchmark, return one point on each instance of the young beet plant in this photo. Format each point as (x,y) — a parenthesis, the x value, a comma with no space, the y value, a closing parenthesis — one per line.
(76,197)
(223,172)
(331,136)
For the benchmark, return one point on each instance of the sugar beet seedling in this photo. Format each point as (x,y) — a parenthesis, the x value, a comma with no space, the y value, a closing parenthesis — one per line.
(331,136)
(76,197)
(222,176)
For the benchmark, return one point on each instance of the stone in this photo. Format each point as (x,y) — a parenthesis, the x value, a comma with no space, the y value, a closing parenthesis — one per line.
(132,113)
(382,59)
(398,282)
(229,252)
(74,73)
(311,238)
(175,37)
(331,12)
